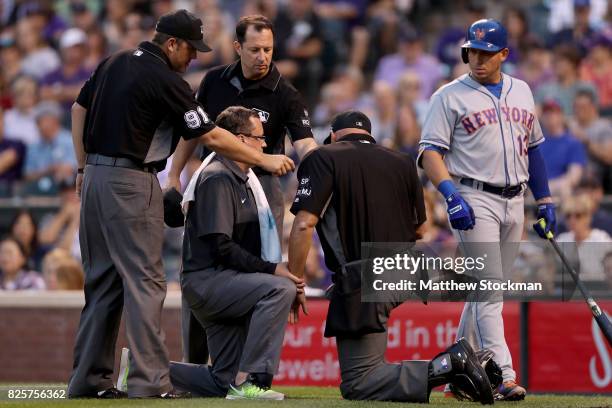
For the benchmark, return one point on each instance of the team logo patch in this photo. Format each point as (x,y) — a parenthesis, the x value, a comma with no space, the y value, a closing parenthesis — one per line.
(263,115)
(479,34)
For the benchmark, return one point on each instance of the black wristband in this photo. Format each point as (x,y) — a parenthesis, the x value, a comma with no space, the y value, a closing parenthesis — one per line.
(80,170)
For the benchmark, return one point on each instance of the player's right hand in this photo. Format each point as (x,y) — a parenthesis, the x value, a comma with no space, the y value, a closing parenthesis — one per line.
(277,164)
(460,214)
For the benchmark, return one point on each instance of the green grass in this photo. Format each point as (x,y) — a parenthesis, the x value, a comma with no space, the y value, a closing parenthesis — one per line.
(325,397)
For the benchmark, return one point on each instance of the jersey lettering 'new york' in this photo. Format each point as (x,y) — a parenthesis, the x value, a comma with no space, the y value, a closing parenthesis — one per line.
(485,138)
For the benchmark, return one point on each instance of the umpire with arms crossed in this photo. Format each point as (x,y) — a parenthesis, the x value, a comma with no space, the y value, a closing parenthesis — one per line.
(125,123)
(253,82)
(355,191)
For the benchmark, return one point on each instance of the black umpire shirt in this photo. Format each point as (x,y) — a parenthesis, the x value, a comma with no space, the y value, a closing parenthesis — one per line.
(138,107)
(278,104)
(222,226)
(363,192)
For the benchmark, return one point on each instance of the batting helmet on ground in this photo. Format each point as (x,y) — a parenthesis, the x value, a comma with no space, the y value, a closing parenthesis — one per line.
(485,34)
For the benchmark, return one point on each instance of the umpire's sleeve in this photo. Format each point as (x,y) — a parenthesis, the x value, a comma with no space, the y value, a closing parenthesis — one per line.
(296,118)
(315,183)
(187,114)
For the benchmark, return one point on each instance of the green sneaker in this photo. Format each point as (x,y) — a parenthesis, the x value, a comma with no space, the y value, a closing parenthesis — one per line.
(248,390)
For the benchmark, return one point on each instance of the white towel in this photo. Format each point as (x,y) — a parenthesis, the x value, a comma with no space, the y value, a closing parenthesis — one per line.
(270,244)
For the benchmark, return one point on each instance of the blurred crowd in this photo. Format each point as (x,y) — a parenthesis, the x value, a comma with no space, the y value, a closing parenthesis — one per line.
(383,57)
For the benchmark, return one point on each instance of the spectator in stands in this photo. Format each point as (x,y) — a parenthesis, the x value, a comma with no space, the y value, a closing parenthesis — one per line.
(61,230)
(10,58)
(591,187)
(63,84)
(408,92)
(343,92)
(24,229)
(410,57)
(597,69)
(515,21)
(38,58)
(407,131)
(61,271)
(113,25)
(578,213)
(596,135)
(135,28)
(220,39)
(12,154)
(53,156)
(565,155)
(346,18)
(535,66)
(97,46)
(383,115)
(298,46)
(20,121)
(82,16)
(566,83)
(581,32)
(14,274)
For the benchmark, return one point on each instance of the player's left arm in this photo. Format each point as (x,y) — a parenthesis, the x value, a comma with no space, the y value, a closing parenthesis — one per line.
(538,183)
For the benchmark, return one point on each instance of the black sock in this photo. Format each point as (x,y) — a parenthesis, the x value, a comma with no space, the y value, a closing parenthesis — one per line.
(263,380)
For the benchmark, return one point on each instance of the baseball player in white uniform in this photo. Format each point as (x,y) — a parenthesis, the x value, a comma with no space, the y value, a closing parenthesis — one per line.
(479,147)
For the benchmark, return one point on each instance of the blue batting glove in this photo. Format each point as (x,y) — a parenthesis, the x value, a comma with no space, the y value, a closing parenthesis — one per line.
(547,212)
(460,214)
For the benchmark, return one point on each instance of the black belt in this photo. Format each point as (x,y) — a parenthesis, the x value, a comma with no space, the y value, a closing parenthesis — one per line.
(101,160)
(505,192)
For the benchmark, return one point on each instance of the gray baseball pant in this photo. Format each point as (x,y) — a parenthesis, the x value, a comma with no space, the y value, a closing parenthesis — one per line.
(367,376)
(498,231)
(244,315)
(121,235)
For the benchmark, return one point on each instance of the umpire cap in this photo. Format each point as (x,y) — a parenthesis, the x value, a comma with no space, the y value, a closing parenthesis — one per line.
(349,119)
(184,25)
(485,34)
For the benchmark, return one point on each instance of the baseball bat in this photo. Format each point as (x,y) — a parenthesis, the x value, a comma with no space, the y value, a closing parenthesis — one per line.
(600,317)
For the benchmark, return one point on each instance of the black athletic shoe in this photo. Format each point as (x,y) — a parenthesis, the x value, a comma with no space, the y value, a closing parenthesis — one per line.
(459,366)
(111,393)
(174,394)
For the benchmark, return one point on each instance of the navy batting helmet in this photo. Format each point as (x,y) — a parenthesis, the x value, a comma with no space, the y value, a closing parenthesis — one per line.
(485,34)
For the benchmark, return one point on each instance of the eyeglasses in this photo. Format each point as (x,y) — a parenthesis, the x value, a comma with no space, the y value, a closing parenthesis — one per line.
(260,138)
